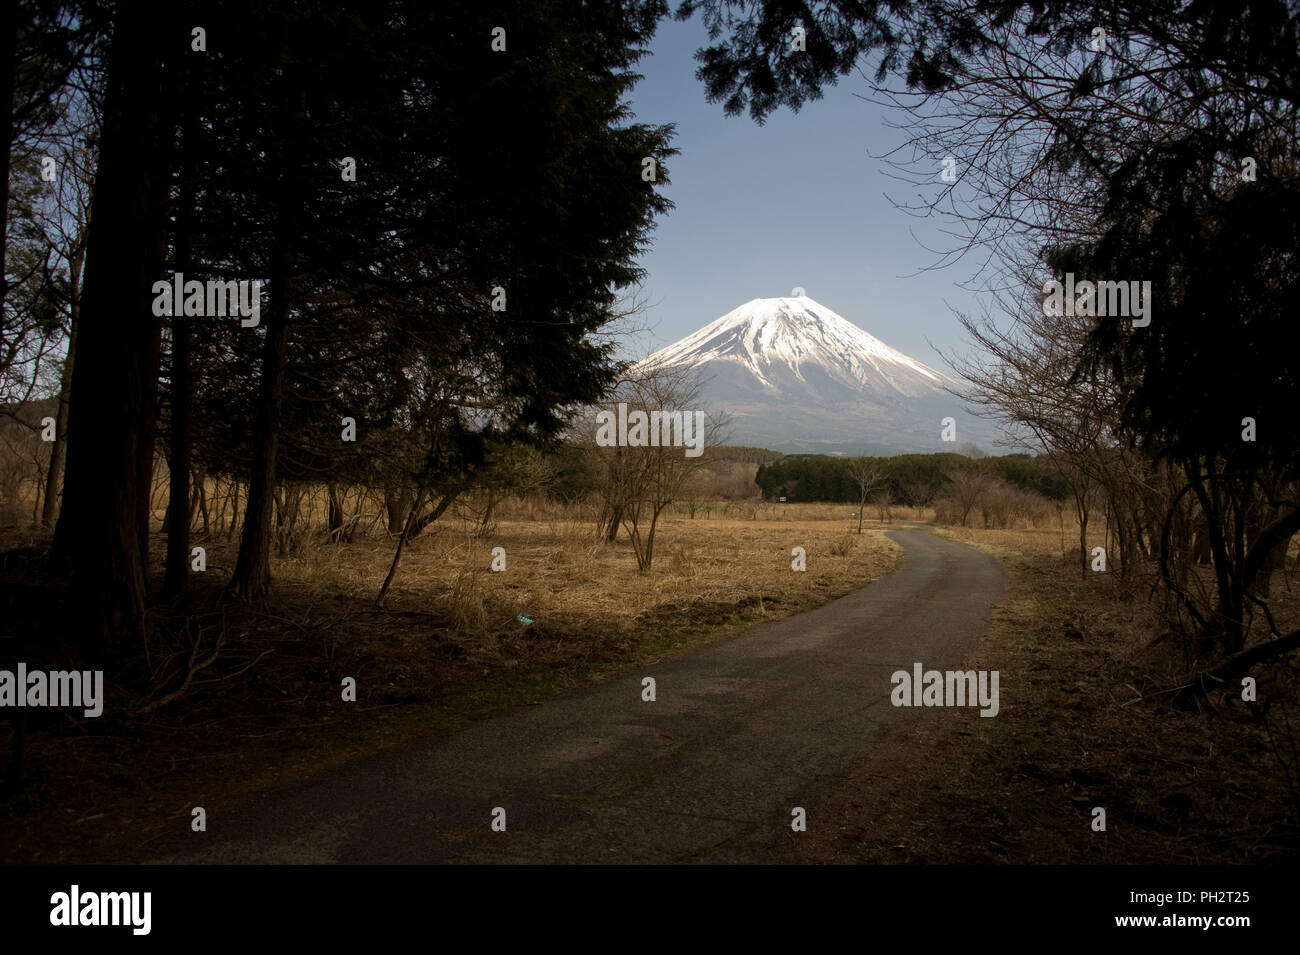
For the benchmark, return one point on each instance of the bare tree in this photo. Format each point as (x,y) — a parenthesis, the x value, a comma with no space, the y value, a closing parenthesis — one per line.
(511,470)
(968,483)
(867,474)
(883,501)
(644,446)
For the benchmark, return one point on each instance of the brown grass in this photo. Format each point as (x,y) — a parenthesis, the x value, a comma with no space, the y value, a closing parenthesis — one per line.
(449,645)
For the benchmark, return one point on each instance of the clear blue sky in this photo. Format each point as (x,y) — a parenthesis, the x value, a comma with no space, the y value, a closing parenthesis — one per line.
(796,202)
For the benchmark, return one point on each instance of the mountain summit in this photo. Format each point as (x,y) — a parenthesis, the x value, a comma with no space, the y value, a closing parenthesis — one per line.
(796,376)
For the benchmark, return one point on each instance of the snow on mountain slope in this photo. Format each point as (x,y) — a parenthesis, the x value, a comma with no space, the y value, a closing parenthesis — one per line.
(795,376)
(776,339)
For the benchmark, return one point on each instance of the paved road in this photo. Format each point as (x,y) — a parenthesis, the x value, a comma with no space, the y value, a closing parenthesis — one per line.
(740,733)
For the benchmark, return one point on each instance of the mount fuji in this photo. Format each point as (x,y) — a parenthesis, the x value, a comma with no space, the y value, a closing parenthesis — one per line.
(794,376)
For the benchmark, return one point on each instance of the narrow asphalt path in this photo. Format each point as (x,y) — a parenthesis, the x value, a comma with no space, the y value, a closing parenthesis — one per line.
(740,733)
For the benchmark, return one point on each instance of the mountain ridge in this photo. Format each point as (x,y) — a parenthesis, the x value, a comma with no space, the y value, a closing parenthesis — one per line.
(795,375)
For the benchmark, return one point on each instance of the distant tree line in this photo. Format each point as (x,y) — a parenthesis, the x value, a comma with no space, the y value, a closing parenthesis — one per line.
(909,479)
(745,455)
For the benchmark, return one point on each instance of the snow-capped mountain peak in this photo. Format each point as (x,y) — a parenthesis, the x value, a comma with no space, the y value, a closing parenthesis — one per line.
(793,375)
(777,339)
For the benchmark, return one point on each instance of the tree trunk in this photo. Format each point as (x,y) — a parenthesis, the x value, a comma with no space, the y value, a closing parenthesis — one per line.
(145,447)
(615,520)
(200,485)
(98,541)
(234,507)
(59,453)
(1081,514)
(288,502)
(335,513)
(401,544)
(252,576)
(485,522)
(650,538)
(420,523)
(1230,609)
(397,503)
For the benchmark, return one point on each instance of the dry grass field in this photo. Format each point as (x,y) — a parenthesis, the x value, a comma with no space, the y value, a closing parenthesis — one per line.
(448,645)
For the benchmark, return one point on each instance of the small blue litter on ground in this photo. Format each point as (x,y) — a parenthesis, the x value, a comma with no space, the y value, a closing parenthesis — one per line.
(522,619)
